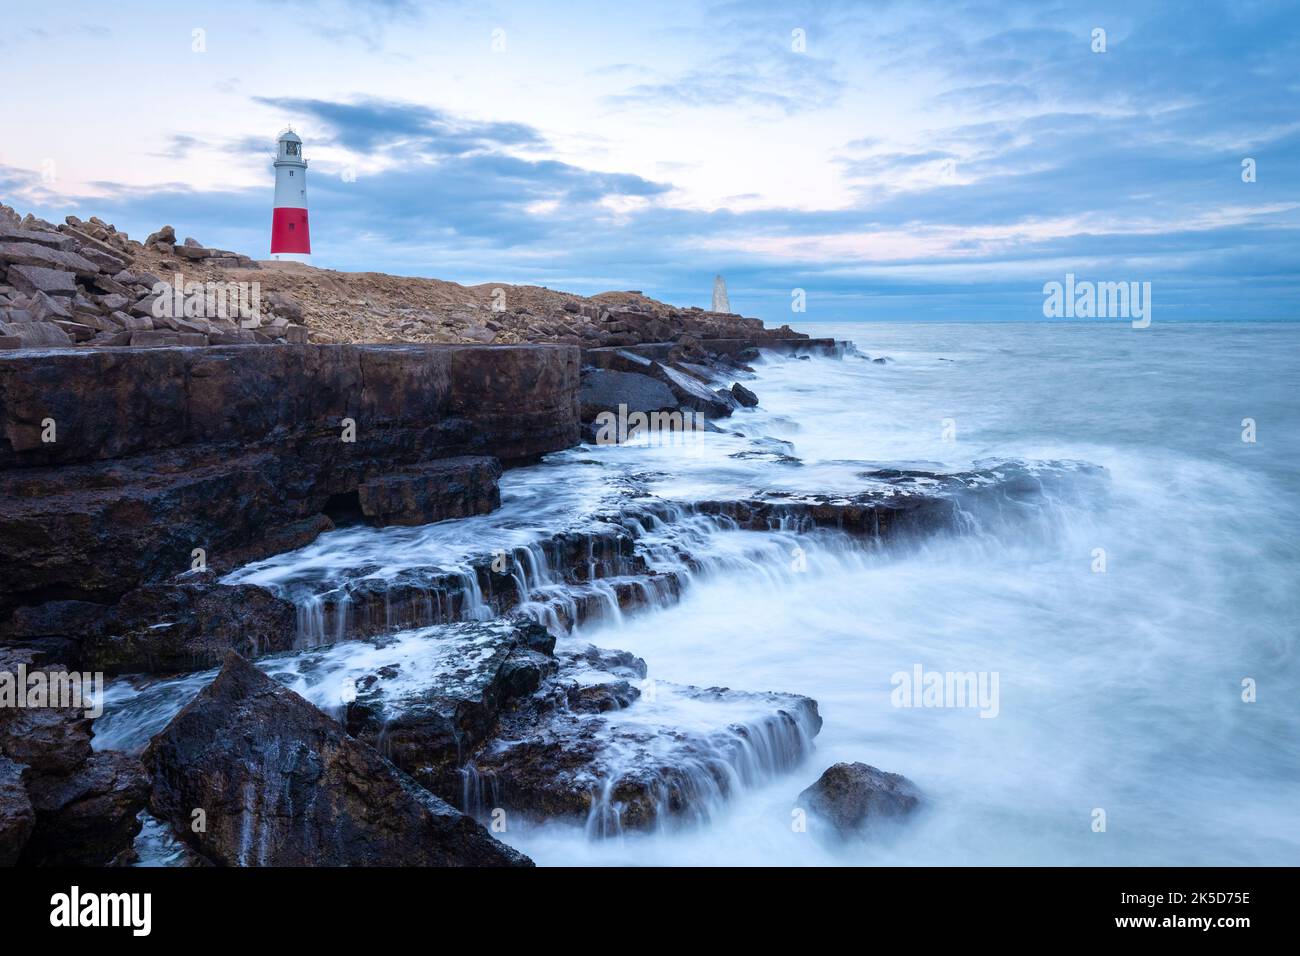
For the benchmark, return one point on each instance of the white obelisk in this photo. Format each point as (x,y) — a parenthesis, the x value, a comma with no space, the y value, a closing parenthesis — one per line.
(720,303)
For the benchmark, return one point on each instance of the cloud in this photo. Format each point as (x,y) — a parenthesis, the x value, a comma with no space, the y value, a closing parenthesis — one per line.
(784,82)
(1024,155)
(367,125)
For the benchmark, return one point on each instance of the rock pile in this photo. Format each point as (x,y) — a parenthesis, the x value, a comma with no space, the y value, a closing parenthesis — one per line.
(78,284)
(105,296)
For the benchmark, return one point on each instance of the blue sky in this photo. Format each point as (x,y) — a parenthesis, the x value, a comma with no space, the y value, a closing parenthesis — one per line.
(895,160)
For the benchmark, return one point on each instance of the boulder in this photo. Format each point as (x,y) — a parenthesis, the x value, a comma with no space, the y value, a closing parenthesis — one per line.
(105,261)
(604,390)
(281,784)
(31,254)
(853,796)
(434,491)
(164,239)
(52,240)
(284,305)
(37,335)
(90,816)
(34,279)
(743,395)
(691,393)
(43,308)
(78,331)
(114,302)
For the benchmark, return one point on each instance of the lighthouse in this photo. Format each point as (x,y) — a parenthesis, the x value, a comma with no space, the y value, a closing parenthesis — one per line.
(720,302)
(289,236)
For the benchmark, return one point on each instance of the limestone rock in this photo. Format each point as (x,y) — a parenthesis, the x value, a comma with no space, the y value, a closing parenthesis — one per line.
(436,491)
(604,390)
(283,785)
(853,796)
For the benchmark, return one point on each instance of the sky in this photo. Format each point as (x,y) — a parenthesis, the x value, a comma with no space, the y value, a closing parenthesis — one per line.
(891,160)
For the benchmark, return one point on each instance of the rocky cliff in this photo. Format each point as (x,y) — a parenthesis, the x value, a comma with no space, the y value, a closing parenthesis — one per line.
(122,468)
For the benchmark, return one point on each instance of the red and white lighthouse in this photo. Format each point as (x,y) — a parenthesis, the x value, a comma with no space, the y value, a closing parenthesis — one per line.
(289,236)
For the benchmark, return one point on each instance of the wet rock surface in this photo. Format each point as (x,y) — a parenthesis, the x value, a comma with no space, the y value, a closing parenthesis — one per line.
(853,796)
(426,717)
(282,784)
(163,628)
(17,818)
(617,754)
(160,452)
(434,491)
(89,817)
(605,390)
(576,734)
(81,806)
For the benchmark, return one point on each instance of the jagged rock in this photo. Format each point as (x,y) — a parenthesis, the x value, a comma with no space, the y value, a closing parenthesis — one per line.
(282,785)
(434,491)
(50,741)
(78,331)
(467,674)
(284,305)
(16,815)
(31,254)
(90,816)
(103,260)
(84,804)
(43,308)
(590,747)
(693,394)
(853,796)
(36,335)
(52,240)
(37,279)
(10,341)
(605,390)
(743,395)
(164,239)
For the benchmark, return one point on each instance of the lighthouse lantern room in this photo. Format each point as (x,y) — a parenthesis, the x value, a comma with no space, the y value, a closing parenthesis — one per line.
(290,238)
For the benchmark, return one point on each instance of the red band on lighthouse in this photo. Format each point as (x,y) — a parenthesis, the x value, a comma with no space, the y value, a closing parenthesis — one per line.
(289,232)
(290,238)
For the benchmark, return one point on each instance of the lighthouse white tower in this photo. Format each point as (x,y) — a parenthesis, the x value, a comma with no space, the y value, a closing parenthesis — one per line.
(290,238)
(720,301)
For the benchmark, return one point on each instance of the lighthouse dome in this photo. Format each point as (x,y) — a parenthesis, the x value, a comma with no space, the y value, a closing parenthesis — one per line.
(289,148)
